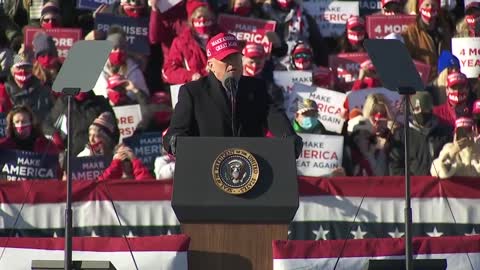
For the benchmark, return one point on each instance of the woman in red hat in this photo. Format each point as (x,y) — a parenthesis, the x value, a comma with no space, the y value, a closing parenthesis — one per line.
(355,34)
(470,25)
(187,59)
(428,36)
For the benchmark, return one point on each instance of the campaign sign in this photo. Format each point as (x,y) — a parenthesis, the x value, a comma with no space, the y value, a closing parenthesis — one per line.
(248,29)
(347,67)
(23,165)
(136,30)
(128,117)
(368,7)
(64,38)
(468,52)
(357,98)
(329,102)
(321,154)
(331,16)
(165,5)
(3,125)
(378,26)
(286,80)
(88,168)
(146,146)
(93,4)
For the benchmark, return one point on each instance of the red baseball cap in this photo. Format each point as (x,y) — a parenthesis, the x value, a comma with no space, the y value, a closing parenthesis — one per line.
(368,65)
(253,50)
(456,78)
(463,122)
(355,21)
(222,45)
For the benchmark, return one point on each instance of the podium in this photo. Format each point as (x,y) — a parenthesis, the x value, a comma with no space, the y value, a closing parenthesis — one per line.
(234,231)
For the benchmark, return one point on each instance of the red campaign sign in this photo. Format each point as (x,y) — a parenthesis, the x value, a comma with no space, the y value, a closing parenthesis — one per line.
(423,70)
(346,66)
(248,29)
(378,26)
(64,38)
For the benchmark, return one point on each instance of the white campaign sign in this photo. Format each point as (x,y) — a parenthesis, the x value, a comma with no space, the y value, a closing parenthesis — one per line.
(330,105)
(468,52)
(331,16)
(286,80)
(357,98)
(165,5)
(321,154)
(174,89)
(128,118)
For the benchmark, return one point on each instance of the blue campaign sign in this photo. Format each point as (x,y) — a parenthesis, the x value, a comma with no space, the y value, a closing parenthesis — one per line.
(88,168)
(92,4)
(23,165)
(3,125)
(368,7)
(135,28)
(146,146)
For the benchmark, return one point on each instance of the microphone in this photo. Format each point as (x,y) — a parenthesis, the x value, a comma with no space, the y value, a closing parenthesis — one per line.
(230,83)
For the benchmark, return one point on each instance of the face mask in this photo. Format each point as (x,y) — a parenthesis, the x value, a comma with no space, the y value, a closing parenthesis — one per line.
(423,119)
(471,21)
(23,130)
(50,24)
(252,70)
(428,14)
(81,96)
(96,147)
(117,58)
(355,37)
(456,97)
(242,11)
(285,4)
(116,97)
(308,122)
(47,61)
(202,26)
(22,76)
(133,11)
(302,63)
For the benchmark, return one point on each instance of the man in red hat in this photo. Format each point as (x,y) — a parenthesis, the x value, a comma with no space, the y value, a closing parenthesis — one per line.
(458,103)
(205,106)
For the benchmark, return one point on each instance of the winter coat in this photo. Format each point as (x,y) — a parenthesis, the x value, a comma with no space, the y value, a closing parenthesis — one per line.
(132,73)
(115,171)
(186,57)
(454,161)
(36,96)
(423,48)
(425,145)
(83,113)
(164,27)
(41,145)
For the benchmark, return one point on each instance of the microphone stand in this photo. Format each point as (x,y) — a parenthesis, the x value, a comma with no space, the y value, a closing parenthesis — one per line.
(69,92)
(232,101)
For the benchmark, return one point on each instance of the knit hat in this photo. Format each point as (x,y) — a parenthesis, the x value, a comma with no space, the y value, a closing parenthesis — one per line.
(355,21)
(456,79)
(106,122)
(385,2)
(252,50)
(222,45)
(305,105)
(423,100)
(476,107)
(447,60)
(49,7)
(43,43)
(20,60)
(115,80)
(119,40)
(359,123)
(192,5)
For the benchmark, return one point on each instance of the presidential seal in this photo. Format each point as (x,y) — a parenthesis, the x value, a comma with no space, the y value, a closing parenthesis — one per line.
(235,171)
